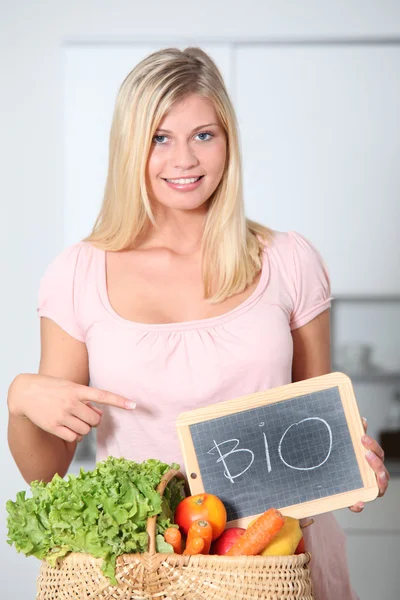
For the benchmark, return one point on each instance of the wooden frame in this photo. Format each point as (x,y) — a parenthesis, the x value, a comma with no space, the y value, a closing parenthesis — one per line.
(368,492)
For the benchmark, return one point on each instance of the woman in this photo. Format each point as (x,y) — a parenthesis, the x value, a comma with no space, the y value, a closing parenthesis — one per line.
(175,300)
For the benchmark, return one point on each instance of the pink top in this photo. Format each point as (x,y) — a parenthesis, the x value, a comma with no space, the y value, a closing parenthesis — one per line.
(176,367)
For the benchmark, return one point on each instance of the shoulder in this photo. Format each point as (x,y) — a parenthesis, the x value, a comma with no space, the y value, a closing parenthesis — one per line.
(79,252)
(64,285)
(299,268)
(294,251)
(69,270)
(290,241)
(70,261)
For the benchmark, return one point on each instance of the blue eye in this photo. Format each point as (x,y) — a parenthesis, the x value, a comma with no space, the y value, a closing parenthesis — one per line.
(210,135)
(157,139)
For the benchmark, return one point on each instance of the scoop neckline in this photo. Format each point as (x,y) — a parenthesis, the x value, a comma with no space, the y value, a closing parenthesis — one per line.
(178,325)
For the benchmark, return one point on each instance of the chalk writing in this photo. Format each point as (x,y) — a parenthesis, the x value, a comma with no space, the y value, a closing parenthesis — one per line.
(216,448)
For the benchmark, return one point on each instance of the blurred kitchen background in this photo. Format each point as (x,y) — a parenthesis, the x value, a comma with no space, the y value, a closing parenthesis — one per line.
(316,86)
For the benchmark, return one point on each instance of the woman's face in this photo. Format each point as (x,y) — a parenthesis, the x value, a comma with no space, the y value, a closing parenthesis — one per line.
(187,157)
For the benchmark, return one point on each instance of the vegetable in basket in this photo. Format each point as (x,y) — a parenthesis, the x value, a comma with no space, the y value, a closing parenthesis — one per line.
(285,542)
(202,529)
(102,512)
(201,506)
(195,546)
(258,535)
(173,536)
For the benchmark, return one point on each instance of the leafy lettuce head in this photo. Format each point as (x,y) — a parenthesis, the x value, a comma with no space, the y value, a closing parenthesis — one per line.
(102,512)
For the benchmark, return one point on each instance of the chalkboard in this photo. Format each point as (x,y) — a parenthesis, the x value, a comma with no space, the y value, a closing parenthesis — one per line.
(297,446)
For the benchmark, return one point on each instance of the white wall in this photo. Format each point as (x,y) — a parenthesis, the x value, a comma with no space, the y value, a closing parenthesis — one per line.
(32,146)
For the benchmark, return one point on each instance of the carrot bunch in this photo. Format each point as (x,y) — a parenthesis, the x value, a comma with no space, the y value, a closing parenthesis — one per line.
(199,530)
(198,540)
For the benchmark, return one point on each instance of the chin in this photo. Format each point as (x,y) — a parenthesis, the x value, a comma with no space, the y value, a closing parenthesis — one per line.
(182,203)
(202,207)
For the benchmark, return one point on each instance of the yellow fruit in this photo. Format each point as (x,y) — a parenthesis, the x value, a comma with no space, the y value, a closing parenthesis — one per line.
(286,540)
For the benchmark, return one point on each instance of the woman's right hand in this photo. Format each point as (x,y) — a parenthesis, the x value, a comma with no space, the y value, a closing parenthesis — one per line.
(58,406)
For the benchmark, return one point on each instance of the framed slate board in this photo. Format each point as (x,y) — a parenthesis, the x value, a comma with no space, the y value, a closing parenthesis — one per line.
(297,448)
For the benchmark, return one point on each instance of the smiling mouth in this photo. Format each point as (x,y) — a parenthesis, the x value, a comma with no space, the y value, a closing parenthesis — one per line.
(184,180)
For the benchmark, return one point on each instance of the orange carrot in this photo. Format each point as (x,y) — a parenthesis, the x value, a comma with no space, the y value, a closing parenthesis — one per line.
(195,546)
(173,536)
(258,535)
(203,529)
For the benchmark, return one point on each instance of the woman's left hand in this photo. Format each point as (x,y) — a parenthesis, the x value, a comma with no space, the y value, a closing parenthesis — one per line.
(375,457)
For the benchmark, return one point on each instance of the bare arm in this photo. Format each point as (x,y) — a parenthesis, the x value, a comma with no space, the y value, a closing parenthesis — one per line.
(311,348)
(37,453)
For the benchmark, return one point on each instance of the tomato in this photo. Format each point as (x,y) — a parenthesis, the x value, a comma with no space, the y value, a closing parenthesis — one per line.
(201,506)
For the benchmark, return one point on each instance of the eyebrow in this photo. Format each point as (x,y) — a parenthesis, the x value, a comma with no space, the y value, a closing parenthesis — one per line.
(195,129)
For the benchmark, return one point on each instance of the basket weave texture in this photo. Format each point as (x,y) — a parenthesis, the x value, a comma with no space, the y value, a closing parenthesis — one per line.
(154,576)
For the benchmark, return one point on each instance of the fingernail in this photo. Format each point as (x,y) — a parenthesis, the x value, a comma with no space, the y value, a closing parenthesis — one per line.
(370,455)
(130,405)
(382,477)
(366,439)
(361,505)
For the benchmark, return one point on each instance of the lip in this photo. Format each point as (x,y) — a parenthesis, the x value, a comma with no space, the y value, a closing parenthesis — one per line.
(185,187)
(184,177)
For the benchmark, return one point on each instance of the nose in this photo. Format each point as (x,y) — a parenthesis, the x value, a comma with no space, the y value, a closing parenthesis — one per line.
(184,157)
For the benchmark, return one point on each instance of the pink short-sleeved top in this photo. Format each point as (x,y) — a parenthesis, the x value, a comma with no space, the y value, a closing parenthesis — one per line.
(175,367)
(170,368)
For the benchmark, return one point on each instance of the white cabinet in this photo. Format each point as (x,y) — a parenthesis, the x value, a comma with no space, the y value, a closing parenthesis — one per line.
(320,130)
(374,562)
(373,546)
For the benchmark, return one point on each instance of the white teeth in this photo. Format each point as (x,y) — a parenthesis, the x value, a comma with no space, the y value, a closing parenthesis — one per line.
(183,181)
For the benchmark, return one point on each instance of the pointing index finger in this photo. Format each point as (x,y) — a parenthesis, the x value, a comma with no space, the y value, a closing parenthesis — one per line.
(91,394)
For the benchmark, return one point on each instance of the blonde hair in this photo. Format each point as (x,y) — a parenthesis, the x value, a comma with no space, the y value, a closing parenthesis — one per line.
(231,245)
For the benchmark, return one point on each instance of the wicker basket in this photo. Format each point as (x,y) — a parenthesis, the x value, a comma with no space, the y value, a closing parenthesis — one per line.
(152,576)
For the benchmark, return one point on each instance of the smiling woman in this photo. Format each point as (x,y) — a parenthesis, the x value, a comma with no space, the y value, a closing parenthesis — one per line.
(175,300)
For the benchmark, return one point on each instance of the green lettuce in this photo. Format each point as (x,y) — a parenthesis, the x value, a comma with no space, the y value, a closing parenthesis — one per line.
(102,512)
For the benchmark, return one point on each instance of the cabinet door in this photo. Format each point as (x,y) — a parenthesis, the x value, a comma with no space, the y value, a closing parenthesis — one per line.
(374,565)
(320,129)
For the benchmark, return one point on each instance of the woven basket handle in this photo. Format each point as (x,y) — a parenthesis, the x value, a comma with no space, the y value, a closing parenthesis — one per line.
(152,521)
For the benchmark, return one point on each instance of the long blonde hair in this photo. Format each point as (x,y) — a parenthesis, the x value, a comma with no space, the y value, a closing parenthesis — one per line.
(231,245)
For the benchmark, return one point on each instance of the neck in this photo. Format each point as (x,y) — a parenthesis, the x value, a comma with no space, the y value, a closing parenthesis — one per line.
(180,231)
